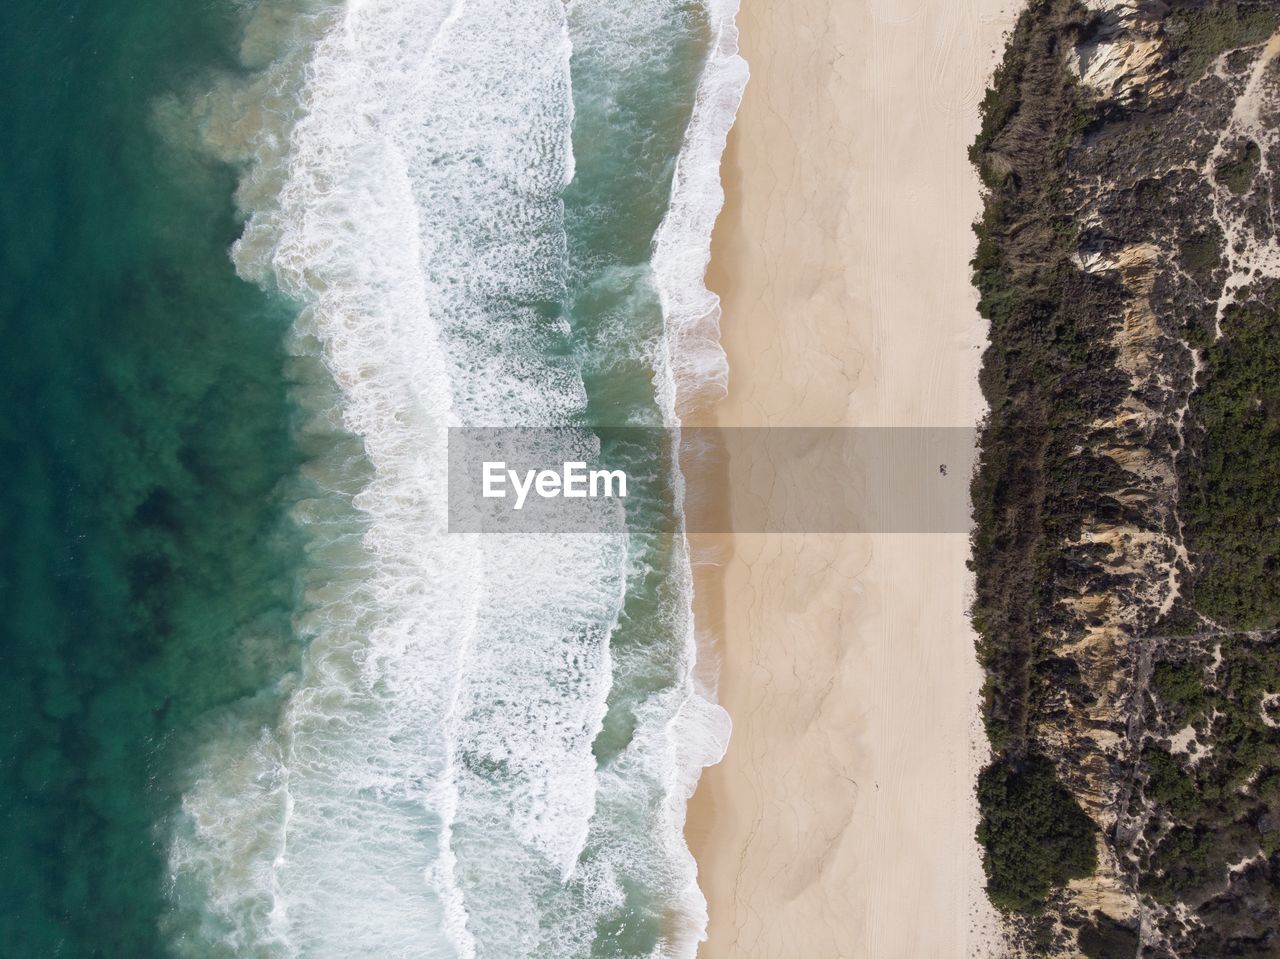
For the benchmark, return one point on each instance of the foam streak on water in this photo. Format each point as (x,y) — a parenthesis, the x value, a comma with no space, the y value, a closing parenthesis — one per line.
(428,787)
(696,371)
(693,370)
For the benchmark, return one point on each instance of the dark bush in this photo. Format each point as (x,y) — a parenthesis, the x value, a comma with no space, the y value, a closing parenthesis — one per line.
(1033,834)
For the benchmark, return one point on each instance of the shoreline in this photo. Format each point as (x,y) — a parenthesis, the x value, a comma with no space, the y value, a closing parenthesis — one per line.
(840,822)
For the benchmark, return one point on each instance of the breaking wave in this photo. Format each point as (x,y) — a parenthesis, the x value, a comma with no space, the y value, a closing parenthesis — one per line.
(430,781)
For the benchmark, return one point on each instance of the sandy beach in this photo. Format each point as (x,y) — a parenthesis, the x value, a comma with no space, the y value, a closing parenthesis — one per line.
(840,822)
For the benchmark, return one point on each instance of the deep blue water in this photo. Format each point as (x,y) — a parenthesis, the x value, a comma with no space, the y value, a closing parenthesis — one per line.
(145,441)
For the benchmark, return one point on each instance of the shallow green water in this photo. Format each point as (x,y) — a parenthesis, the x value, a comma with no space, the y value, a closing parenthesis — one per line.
(628,128)
(148,570)
(152,574)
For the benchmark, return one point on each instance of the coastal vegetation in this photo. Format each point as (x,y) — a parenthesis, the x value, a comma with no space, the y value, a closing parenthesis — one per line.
(1099,493)
(1238,171)
(1203,31)
(1035,835)
(1214,826)
(1230,498)
(1032,484)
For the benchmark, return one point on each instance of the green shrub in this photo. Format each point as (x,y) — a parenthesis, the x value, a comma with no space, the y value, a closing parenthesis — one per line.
(1033,834)
(1231,502)
(1169,784)
(1202,254)
(1237,173)
(1181,688)
(1200,36)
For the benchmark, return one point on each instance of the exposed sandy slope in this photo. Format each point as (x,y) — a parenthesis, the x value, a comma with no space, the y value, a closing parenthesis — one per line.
(840,823)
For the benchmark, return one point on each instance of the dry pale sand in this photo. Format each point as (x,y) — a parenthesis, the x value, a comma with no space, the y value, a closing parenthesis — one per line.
(840,823)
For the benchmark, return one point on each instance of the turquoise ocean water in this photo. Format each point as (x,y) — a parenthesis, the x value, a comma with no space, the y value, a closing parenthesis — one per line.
(258,257)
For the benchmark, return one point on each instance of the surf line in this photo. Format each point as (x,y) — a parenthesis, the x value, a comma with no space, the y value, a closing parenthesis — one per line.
(572,481)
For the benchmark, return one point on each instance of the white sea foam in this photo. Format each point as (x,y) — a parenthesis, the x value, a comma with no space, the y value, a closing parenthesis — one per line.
(679,730)
(432,772)
(698,371)
(695,371)
(428,787)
